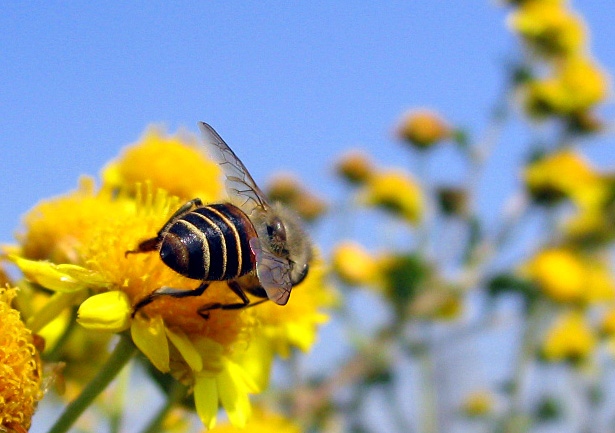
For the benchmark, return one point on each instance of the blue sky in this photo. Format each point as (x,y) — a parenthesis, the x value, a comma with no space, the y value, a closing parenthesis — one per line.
(289,85)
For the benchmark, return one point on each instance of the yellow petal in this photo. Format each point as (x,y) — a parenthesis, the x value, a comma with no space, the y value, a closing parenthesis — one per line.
(60,278)
(108,311)
(181,341)
(52,331)
(211,354)
(52,309)
(234,395)
(150,338)
(254,366)
(206,399)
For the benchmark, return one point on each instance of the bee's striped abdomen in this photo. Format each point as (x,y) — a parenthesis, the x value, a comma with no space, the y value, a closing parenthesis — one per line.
(210,243)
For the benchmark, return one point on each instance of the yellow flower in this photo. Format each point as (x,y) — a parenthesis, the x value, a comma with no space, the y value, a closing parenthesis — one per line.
(548,27)
(423,128)
(591,225)
(607,325)
(55,229)
(296,324)
(283,187)
(174,163)
(223,358)
(286,189)
(478,403)
(355,167)
(262,422)
(565,174)
(354,264)
(169,331)
(20,369)
(397,192)
(567,277)
(578,85)
(569,339)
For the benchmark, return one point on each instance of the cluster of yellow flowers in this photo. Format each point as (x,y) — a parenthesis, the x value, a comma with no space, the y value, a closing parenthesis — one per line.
(392,190)
(75,246)
(576,273)
(575,83)
(407,280)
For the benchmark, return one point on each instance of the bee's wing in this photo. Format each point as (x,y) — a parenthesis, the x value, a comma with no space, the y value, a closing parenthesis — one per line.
(273,273)
(240,186)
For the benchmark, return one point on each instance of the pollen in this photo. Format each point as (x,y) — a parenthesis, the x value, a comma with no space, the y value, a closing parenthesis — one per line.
(20,369)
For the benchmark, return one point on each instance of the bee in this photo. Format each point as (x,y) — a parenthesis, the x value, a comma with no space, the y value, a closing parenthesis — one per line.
(257,247)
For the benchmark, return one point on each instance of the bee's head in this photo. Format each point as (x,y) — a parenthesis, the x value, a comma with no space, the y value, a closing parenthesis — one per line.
(286,238)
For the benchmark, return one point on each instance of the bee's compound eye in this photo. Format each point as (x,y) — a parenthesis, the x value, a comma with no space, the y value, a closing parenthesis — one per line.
(298,278)
(276,230)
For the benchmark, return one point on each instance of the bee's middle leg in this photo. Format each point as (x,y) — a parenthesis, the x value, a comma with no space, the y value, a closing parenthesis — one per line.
(168,291)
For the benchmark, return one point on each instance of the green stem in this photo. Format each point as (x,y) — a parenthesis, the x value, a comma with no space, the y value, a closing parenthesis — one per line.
(175,395)
(123,352)
(513,421)
(397,412)
(116,409)
(429,401)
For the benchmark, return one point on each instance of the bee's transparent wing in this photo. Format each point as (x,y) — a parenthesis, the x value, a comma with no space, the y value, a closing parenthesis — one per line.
(240,186)
(273,273)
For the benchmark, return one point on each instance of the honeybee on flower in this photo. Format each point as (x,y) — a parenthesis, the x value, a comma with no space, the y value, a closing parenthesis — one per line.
(222,359)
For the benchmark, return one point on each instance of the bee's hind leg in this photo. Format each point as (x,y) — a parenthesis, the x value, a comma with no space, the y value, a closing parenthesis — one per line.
(168,291)
(152,244)
(236,288)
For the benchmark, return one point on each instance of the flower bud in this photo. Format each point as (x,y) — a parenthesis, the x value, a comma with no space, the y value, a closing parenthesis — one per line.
(355,167)
(108,311)
(423,128)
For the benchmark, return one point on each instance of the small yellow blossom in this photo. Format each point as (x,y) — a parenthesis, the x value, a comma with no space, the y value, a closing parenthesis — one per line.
(591,226)
(558,273)
(283,187)
(607,325)
(436,302)
(262,422)
(286,189)
(565,174)
(355,167)
(548,27)
(577,85)
(354,264)
(174,163)
(20,369)
(478,403)
(569,339)
(423,128)
(296,324)
(397,192)
(568,277)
